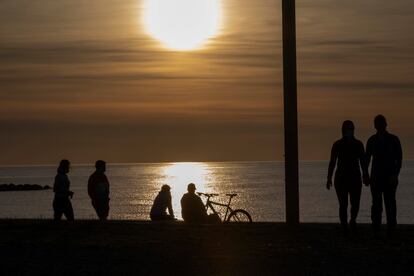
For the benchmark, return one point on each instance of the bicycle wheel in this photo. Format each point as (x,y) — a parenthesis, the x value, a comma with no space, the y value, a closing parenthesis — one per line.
(239,215)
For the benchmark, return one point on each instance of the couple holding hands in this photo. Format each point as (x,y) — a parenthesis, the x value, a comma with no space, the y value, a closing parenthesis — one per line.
(350,158)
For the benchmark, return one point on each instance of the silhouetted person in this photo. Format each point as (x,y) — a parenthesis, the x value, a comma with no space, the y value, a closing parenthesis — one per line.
(61,201)
(349,158)
(386,153)
(162,203)
(98,190)
(192,207)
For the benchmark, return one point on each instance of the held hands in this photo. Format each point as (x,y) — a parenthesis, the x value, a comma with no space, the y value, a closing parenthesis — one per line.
(329,184)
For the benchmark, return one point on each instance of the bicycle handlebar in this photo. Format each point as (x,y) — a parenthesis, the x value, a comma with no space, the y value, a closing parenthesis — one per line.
(212,195)
(207,195)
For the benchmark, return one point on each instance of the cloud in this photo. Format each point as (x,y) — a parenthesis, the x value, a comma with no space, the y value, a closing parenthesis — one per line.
(86,75)
(361,85)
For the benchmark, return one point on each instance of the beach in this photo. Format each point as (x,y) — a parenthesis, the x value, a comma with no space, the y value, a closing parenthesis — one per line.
(143,248)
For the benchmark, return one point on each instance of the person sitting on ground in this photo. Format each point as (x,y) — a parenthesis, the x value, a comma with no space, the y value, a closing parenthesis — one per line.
(162,203)
(98,190)
(192,207)
(61,202)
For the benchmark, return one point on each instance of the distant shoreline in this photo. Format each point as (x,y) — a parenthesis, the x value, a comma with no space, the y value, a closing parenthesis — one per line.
(11,187)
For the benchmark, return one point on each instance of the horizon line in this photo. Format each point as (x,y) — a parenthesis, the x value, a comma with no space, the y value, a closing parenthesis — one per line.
(167,162)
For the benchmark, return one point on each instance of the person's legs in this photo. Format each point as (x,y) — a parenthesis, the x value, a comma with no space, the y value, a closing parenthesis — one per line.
(170,218)
(390,206)
(105,209)
(376,209)
(342,195)
(164,217)
(68,210)
(355,197)
(102,209)
(155,218)
(57,210)
(95,206)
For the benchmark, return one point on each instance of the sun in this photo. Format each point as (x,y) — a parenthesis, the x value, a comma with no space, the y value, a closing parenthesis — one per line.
(182,24)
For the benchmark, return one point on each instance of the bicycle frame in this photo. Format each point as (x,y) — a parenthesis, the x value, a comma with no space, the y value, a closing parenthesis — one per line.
(210,204)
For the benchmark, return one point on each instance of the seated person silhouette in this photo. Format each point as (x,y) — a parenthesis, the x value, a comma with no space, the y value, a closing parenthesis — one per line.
(162,203)
(192,207)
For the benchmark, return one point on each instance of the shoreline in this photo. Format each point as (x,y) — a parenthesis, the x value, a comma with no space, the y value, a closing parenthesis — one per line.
(41,246)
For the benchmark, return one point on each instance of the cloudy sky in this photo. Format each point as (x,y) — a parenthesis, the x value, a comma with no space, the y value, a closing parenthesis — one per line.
(83,80)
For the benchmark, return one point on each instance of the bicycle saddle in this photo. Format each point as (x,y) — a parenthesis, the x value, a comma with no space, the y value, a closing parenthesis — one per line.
(231,195)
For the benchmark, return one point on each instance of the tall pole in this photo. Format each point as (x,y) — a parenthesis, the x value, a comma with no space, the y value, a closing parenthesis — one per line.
(290,112)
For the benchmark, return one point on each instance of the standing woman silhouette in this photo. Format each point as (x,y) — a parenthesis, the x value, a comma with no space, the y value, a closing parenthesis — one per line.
(348,156)
(61,202)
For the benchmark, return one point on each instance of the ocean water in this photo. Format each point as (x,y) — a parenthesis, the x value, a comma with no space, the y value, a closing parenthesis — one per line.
(260,188)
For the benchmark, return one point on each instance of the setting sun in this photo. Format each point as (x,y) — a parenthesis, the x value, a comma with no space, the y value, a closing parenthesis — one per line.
(182,24)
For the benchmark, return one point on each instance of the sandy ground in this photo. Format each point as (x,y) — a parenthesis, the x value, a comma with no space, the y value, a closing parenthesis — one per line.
(29,247)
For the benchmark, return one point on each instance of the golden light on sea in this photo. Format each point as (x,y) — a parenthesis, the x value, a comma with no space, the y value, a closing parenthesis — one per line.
(179,175)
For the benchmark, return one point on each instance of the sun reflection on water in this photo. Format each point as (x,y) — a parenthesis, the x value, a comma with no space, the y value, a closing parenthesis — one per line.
(179,175)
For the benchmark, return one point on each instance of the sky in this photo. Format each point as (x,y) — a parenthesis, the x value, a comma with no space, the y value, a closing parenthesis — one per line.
(84,80)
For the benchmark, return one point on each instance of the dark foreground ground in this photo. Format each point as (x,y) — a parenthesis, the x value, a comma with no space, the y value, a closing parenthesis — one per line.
(32,247)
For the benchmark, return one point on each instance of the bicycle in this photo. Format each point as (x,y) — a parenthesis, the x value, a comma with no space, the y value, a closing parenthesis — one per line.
(238,215)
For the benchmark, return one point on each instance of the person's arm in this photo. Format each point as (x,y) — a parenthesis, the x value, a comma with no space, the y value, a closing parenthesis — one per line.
(107,185)
(90,186)
(183,208)
(368,153)
(399,156)
(332,164)
(170,208)
(56,185)
(61,185)
(67,187)
(364,166)
(201,205)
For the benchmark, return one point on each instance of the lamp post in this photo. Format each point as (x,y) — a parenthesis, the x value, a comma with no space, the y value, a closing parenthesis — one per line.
(290,112)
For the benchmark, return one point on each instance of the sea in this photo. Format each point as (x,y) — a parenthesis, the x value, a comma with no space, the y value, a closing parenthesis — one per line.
(260,189)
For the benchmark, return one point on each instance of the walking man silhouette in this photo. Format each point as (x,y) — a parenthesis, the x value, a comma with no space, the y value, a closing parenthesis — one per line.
(98,190)
(349,158)
(386,153)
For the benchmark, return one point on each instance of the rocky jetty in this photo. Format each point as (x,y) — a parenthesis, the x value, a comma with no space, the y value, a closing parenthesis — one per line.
(22,187)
